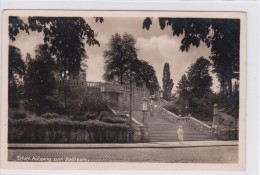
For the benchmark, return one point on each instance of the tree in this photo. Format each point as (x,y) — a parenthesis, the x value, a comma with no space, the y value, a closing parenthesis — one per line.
(167,82)
(16,64)
(64,38)
(145,73)
(122,64)
(198,77)
(39,79)
(16,71)
(221,35)
(15,25)
(183,88)
(195,89)
(119,58)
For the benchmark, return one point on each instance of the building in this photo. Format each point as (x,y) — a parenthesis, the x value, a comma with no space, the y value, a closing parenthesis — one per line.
(73,91)
(118,96)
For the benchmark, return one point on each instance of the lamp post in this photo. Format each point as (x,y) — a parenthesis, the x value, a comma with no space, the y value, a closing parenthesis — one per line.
(215,115)
(102,90)
(186,104)
(144,108)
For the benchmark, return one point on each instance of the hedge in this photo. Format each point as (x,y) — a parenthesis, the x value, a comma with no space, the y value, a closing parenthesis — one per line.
(58,130)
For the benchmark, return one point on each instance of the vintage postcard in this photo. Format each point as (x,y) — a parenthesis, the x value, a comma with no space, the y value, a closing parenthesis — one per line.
(123,90)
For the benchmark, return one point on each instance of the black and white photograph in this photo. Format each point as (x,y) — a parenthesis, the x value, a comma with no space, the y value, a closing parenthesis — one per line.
(125,87)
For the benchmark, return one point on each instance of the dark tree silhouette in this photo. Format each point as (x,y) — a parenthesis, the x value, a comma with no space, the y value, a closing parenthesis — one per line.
(64,38)
(17,69)
(39,79)
(199,79)
(146,74)
(183,88)
(15,25)
(16,64)
(221,35)
(195,89)
(119,58)
(122,64)
(167,82)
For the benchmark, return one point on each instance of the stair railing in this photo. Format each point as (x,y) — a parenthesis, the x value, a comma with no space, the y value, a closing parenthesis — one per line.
(217,133)
(195,123)
(173,117)
(199,125)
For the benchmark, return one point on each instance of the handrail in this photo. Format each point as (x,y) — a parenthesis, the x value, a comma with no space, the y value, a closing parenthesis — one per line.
(134,120)
(198,121)
(217,133)
(165,110)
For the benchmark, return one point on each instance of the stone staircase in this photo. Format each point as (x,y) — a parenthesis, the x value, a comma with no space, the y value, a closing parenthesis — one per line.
(164,130)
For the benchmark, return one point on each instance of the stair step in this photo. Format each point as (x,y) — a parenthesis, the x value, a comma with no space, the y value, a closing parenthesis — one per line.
(163,129)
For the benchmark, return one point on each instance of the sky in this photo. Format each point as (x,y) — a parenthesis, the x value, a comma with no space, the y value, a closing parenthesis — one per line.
(155,46)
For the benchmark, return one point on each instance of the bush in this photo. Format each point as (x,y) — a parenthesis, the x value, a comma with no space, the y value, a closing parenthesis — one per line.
(50,115)
(91,115)
(115,120)
(93,105)
(19,115)
(58,130)
(103,114)
(172,109)
(49,106)
(84,116)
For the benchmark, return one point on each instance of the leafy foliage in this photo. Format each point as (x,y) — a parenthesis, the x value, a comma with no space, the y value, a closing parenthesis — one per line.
(39,79)
(93,105)
(147,23)
(221,35)
(119,58)
(15,25)
(59,130)
(16,71)
(115,120)
(99,19)
(183,87)
(195,88)
(145,74)
(199,79)
(167,82)
(16,63)
(197,83)
(64,38)
(50,115)
(172,109)
(122,64)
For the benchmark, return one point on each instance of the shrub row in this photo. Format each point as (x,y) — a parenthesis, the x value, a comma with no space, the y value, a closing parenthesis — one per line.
(102,116)
(50,115)
(115,120)
(59,122)
(57,130)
